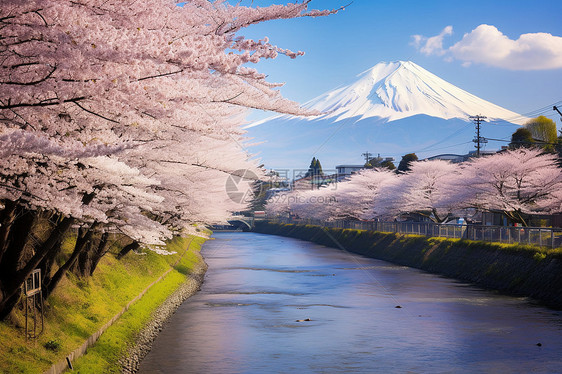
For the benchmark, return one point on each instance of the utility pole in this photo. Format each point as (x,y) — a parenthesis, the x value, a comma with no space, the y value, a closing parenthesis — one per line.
(367,156)
(478,140)
(558,110)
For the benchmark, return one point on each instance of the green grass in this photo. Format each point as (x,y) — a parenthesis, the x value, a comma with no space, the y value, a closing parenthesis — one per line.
(78,308)
(308,232)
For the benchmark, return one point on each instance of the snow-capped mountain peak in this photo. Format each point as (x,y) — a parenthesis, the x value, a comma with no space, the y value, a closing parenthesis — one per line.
(392,109)
(397,90)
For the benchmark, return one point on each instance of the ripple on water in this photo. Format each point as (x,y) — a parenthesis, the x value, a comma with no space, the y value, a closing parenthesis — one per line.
(376,267)
(272,269)
(229,305)
(304,306)
(260,293)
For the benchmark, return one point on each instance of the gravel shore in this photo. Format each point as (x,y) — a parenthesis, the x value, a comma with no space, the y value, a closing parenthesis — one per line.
(131,362)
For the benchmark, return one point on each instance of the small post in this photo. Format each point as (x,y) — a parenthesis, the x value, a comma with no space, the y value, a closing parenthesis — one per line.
(69,363)
(501,229)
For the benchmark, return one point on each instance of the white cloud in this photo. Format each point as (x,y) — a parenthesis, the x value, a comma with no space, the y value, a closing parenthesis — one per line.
(432,45)
(489,46)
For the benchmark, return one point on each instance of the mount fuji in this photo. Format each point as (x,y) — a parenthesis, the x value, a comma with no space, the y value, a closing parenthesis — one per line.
(391,109)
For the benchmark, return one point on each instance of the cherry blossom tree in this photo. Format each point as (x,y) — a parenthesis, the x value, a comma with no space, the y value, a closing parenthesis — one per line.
(361,196)
(357,198)
(430,189)
(123,116)
(515,182)
(305,204)
(551,204)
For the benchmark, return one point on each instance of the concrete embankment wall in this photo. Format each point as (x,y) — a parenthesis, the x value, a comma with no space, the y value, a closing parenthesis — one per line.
(511,269)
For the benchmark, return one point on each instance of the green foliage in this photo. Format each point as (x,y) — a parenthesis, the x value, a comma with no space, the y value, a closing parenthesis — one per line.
(379,162)
(52,345)
(318,168)
(543,131)
(315,168)
(539,256)
(374,162)
(522,137)
(388,165)
(407,159)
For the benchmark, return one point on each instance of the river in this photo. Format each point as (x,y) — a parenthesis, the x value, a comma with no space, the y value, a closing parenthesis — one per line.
(271,304)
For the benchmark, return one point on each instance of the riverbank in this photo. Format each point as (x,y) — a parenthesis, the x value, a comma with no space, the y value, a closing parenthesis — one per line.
(78,308)
(511,269)
(143,343)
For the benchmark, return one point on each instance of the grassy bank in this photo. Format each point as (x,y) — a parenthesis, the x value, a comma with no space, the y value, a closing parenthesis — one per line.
(512,269)
(78,308)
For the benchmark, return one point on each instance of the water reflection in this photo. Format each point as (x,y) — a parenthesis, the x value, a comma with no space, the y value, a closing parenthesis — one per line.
(272,304)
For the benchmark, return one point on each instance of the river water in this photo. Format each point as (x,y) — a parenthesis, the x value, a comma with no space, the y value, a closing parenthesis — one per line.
(271,304)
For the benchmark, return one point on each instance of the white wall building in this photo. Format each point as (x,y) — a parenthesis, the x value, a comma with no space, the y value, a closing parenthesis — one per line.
(345,171)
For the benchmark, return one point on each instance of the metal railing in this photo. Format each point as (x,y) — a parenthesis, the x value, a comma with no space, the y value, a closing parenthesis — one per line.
(541,236)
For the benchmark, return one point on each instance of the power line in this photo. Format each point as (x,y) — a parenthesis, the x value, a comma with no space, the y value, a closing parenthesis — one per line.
(532,113)
(429,147)
(446,147)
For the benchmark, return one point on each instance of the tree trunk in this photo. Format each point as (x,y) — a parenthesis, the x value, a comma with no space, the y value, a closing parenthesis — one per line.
(10,284)
(46,265)
(9,287)
(8,304)
(7,217)
(516,217)
(128,248)
(81,266)
(100,252)
(15,243)
(437,218)
(84,236)
(10,261)
(89,258)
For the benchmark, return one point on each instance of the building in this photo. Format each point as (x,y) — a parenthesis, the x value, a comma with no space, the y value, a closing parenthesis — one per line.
(313,182)
(455,159)
(345,171)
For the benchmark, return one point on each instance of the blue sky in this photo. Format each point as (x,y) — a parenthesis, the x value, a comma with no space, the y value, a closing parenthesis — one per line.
(341,46)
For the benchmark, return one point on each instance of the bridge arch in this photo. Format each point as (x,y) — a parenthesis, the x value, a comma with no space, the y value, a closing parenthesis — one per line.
(242,224)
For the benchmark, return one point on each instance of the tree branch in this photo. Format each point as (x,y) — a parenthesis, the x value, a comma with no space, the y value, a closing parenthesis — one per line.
(94,113)
(48,102)
(49,74)
(160,75)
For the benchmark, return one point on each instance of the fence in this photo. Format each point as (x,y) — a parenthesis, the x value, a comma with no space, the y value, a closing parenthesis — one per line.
(541,236)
